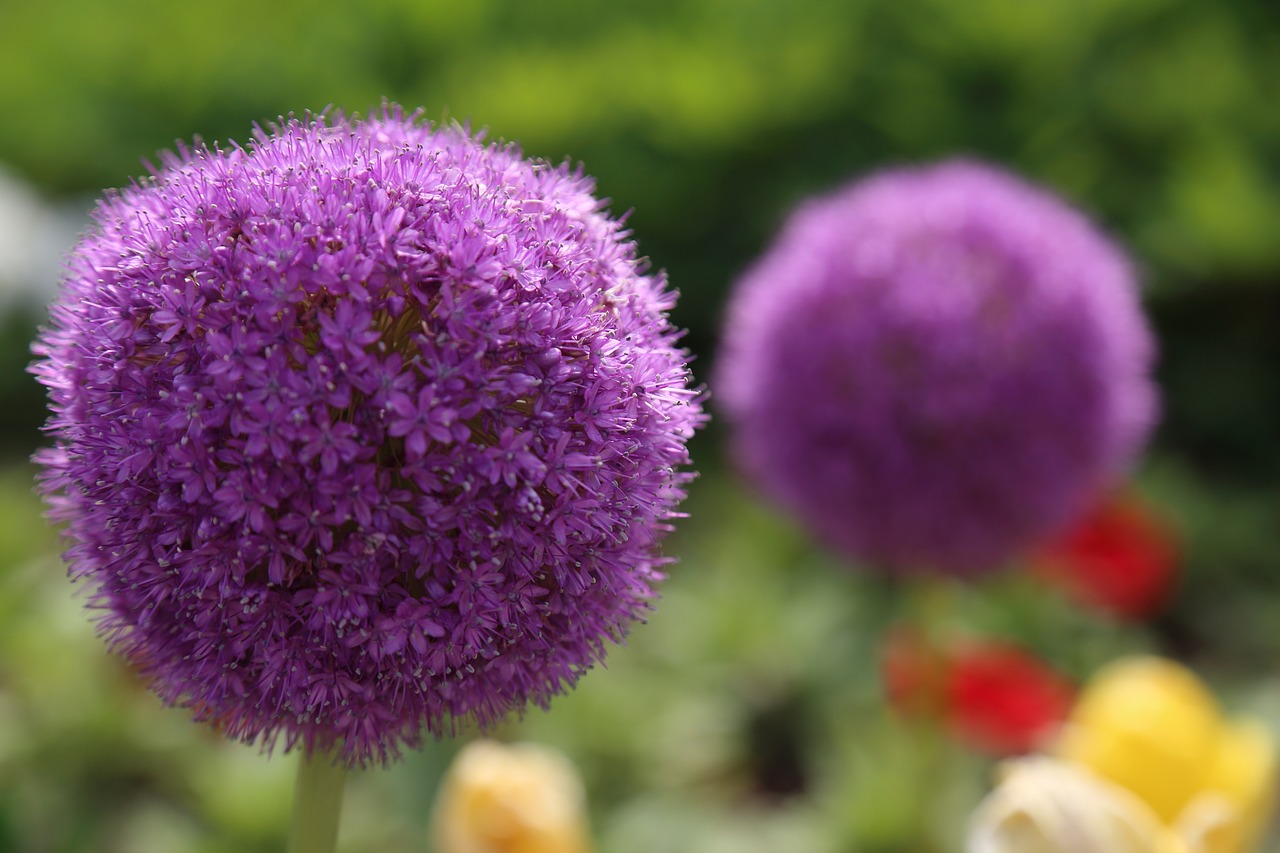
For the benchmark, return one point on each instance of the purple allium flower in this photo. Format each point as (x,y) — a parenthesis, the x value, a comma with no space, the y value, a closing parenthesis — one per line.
(934,367)
(363,428)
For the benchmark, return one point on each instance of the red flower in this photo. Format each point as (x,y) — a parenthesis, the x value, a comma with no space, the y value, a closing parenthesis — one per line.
(988,694)
(1120,558)
(1003,700)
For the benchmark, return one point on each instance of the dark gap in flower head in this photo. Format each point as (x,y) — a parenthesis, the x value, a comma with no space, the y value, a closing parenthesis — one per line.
(397,331)
(309,311)
(149,357)
(902,358)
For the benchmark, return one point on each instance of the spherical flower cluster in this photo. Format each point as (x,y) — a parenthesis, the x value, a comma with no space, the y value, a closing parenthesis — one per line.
(361,429)
(935,367)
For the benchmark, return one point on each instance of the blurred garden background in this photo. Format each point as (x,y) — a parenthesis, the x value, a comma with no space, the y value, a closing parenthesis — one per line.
(749,714)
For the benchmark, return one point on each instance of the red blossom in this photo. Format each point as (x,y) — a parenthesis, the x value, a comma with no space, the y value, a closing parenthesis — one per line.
(1120,558)
(1003,700)
(988,694)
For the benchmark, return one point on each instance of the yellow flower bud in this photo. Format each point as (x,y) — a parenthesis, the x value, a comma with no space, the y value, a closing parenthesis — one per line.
(521,798)
(1047,806)
(1229,815)
(1148,725)
(1210,824)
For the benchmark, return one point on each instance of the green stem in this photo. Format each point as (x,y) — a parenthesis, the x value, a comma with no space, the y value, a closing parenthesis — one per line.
(317,804)
(934,604)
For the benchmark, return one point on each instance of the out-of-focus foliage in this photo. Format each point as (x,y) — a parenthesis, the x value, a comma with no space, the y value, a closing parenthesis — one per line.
(706,115)
(711,117)
(746,716)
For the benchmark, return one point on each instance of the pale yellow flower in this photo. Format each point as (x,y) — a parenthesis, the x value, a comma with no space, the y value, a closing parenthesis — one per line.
(1043,805)
(1150,726)
(521,798)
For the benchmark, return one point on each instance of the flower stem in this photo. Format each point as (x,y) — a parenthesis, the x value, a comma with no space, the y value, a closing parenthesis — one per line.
(933,602)
(317,804)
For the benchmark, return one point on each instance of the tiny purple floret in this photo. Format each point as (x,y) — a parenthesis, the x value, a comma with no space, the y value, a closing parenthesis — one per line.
(935,367)
(362,430)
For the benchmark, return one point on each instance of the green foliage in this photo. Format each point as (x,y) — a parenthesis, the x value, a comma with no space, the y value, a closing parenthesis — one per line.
(704,114)
(746,716)
(712,117)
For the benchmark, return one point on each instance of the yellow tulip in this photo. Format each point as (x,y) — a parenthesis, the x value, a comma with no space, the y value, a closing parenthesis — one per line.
(1043,805)
(521,798)
(1148,725)
(1231,812)
(1151,726)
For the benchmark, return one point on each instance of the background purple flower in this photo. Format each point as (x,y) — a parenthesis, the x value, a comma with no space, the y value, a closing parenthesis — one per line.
(362,428)
(934,367)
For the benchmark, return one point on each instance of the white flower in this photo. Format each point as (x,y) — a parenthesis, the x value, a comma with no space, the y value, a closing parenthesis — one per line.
(1043,805)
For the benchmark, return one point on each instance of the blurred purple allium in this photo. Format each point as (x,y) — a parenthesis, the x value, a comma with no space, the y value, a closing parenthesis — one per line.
(935,367)
(363,428)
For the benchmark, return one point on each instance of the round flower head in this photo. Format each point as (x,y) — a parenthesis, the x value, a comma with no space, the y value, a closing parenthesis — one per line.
(363,428)
(933,368)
